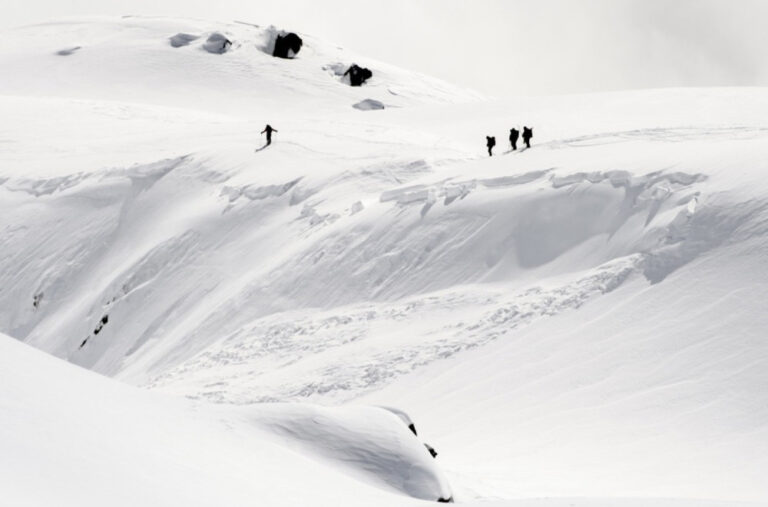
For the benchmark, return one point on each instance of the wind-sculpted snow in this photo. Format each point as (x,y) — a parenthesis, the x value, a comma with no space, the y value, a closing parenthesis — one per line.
(486,239)
(41,187)
(693,233)
(368,442)
(314,277)
(582,318)
(258,193)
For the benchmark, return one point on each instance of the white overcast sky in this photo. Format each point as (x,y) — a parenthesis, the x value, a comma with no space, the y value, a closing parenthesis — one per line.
(501,47)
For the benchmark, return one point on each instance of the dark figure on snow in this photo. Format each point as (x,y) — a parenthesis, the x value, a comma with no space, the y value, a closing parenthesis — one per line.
(490,142)
(268,129)
(514,134)
(527,135)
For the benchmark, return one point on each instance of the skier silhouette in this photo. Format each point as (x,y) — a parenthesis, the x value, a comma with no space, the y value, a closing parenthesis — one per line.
(527,135)
(268,129)
(513,135)
(490,142)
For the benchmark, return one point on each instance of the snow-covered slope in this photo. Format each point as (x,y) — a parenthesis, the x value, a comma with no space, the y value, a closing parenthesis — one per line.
(70,437)
(584,318)
(133,59)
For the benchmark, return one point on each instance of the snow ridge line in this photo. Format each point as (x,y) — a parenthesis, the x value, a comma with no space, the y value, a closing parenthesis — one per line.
(452,190)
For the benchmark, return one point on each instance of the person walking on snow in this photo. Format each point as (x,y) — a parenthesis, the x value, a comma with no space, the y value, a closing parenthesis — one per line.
(268,129)
(527,135)
(490,142)
(513,135)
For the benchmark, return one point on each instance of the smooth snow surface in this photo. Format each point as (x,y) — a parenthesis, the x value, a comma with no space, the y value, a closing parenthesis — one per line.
(582,320)
(70,437)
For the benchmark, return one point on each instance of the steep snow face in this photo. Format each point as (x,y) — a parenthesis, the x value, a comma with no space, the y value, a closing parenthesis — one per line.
(581,318)
(70,437)
(172,253)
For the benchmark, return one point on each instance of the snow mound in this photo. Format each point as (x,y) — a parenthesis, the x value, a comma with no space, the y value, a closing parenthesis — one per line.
(336,69)
(182,39)
(369,105)
(217,43)
(359,439)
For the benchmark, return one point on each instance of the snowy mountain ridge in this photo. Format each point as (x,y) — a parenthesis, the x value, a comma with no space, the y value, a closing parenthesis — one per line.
(581,319)
(137,60)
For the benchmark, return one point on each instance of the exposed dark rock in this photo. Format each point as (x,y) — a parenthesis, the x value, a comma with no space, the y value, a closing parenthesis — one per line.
(431,450)
(287,46)
(99,327)
(358,75)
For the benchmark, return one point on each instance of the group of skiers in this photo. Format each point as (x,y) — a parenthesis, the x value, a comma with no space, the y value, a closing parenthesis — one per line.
(490,141)
(514,135)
